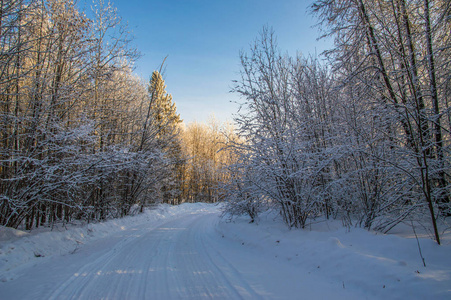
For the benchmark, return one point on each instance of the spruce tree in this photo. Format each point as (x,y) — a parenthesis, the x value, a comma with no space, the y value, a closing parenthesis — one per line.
(167,123)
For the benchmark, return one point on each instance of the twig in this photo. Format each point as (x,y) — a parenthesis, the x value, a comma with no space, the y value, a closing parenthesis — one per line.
(418,243)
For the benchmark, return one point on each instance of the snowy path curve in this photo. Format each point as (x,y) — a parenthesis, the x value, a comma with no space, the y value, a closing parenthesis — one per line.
(184,258)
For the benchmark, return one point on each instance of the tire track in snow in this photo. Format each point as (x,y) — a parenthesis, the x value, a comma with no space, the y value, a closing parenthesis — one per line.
(223,265)
(189,272)
(109,266)
(82,278)
(171,261)
(211,281)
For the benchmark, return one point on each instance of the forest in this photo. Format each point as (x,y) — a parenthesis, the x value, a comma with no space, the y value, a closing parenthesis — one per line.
(82,137)
(361,134)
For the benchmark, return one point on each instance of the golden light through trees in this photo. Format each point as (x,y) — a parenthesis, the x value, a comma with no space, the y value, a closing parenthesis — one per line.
(205,147)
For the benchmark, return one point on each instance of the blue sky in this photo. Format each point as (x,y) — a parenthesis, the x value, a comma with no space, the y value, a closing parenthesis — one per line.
(203,38)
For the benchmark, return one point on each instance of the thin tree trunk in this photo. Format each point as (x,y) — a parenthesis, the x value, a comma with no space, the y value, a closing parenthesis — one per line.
(444,198)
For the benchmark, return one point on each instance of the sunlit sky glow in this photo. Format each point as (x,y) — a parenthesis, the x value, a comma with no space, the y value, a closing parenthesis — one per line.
(203,38)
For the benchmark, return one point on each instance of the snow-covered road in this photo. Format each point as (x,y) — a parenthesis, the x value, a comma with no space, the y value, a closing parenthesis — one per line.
(184,258)
(188,252)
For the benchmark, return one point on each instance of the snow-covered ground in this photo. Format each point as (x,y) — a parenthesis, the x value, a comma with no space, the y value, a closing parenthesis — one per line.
(187,252)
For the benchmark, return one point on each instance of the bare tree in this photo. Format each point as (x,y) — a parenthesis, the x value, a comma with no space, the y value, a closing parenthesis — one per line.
(391,49)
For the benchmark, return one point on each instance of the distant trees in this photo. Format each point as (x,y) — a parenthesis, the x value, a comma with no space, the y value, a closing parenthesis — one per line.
(368,138)
(77,139)
(206,152)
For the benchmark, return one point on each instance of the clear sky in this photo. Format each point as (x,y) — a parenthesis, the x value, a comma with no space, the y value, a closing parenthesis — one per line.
(203,38)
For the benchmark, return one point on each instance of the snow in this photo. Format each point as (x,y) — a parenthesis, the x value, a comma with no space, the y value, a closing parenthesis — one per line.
(62,240)
(188,252)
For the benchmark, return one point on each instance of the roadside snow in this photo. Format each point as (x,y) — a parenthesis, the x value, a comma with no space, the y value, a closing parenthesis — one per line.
(263,260)
(382,266)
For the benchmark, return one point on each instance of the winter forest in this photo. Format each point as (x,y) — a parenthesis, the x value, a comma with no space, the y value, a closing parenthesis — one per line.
(82,137)
(361,133)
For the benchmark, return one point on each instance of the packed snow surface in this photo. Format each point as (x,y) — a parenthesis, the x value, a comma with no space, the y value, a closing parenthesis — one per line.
(188,252)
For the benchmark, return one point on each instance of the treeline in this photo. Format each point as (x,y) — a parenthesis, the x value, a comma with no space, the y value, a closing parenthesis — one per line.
(81,136)
(365,138)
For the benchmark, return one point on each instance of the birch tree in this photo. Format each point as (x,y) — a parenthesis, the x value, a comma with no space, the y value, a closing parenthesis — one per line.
(391,48)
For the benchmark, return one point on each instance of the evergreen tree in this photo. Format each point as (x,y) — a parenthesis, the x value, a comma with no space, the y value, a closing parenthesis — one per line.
(167,121)
(163,110)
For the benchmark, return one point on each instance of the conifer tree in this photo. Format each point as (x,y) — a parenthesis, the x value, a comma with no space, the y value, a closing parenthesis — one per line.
(163,112)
